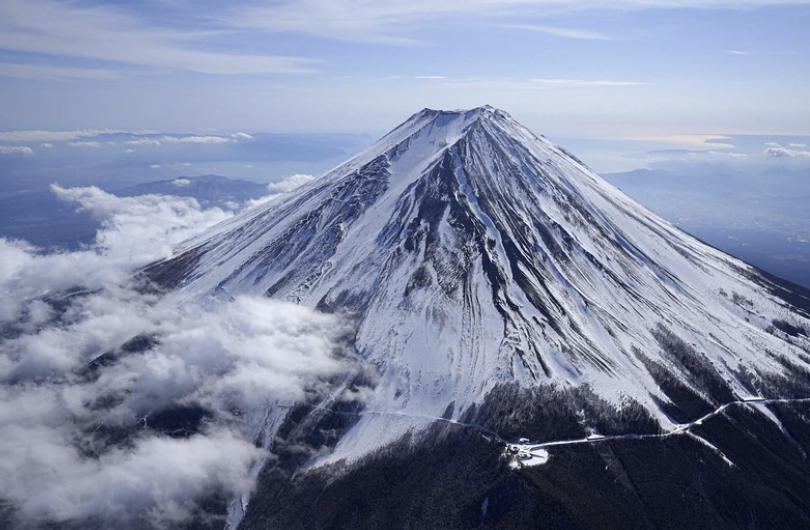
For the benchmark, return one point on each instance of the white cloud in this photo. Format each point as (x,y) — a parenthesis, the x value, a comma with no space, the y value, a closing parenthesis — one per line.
(230,358)
(241,136)
(53,73)
(567,33)
(782,152)
(46,145)
(52,136)
(239,356)
(153,224)
(772,144)
(721,153)
(143,141)
(91,145)
(158,475)
(15,150)
(253,203)
(430,77)
(181,182)
(393,21)
(536,84)
(736,52)
(155,166)
(797,145)
(129,150)
(570,83)
(289,183)
(279,188)
(195,139)
(107,33)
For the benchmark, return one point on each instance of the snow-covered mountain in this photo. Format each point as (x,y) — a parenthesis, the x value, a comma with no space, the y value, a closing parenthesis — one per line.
(472,254)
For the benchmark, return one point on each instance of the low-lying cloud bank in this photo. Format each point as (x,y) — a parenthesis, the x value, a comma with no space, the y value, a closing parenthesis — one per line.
(92,365)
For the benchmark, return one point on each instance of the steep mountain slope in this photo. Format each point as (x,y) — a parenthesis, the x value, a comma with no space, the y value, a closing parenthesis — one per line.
(472,254)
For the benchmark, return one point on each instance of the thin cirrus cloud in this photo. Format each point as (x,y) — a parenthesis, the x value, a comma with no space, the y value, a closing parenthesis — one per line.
(95,30)
(570,83)
(518,84)
(189,140)
(391,21)
(53,73)
(90,145)
(83,138)
(567,33)
(102,32)
(196,139)
(52,136)
(538,84)
(143,141)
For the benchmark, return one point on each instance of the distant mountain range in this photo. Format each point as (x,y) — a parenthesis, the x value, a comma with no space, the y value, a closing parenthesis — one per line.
(209,190)
(759,215)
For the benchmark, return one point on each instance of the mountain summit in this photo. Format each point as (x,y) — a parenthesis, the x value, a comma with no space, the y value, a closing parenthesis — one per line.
(473,255)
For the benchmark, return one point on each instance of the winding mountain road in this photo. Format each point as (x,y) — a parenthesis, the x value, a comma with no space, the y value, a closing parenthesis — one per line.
(537,453)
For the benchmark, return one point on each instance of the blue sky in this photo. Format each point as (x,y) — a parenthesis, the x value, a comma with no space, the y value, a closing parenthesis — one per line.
(632,69)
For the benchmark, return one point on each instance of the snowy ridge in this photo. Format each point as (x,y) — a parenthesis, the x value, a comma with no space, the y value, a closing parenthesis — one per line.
(470,252)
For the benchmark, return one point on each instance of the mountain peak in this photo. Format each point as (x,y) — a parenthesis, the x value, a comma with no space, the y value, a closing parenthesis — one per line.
(476,112)
(458,119)
(471,251)
(480,264)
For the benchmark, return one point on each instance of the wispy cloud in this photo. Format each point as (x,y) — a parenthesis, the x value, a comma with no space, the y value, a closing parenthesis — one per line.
(783,152)
(289,183)
(567,33)
(91,145)
(567,83)
(195,139)
(393,21)
(722,153)
(52,73)
(507,84)
(143,141)
(736,52)
(15,150)
(538,84)
(103,32)
(51,136)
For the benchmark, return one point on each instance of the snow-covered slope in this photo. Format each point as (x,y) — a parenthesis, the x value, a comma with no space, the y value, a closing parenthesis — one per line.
(470,251)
